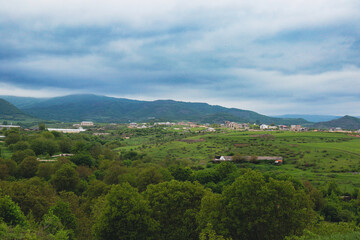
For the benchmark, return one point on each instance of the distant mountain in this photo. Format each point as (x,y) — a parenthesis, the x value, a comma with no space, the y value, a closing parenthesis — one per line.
(310,118)
(346,122)
(108,109)
(10,112)
(22,102)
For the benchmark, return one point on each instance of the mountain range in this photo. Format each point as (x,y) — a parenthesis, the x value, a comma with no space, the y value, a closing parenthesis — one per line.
(81,107)
(310,118)
(346,122)
(9,112)
(96,108)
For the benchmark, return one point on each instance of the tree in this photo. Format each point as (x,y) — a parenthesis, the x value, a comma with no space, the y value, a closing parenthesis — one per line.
(180,173)
(126,215)
(83,159)
(113,173)
(95,189)
(44,146)
(208,233)
(65,145)
(66,216)
(32,195)
(45,170)
(175,205)
(7,168)
(19,156)
(42,126)
(212,214)
(28,167)
(65,179)
(10,212)
(260,209)
(12,138)
(20,145)
(149,176)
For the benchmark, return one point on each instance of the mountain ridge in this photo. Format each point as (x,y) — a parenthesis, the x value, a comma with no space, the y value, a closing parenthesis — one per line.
(99,108)
(10,112)
(346,122)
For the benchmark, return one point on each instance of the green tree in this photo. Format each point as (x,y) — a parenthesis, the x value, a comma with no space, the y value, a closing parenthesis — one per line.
(180,173)
(12,138)
(126,215)
(65,145)
(19,156)
(65,179)
(45,170)
(28,167)
(42,126)
(95,189)
(83,159)
(20,145)
(175,205)
(33,195)
(149,176)
(260,209)
(10,212)
(66,216)
(208,233)
(212,213)
(7,168)
(44,146)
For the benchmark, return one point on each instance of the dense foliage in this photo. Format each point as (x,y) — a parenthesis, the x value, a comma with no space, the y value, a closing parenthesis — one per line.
(108,188)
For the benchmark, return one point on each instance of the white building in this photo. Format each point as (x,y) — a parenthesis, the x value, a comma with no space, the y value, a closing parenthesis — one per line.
(63,130)
(9,126)
(86,123)
(264,126)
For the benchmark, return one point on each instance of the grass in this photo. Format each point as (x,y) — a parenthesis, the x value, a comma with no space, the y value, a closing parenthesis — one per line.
(318,157)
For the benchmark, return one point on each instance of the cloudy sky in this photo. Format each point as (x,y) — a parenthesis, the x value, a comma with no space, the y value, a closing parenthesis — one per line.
(270,56)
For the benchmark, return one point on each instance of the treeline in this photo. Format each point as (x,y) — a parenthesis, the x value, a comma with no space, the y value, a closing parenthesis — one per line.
(99,194)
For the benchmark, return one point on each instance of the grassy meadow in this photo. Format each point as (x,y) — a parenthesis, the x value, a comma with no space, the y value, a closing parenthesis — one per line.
(318,157)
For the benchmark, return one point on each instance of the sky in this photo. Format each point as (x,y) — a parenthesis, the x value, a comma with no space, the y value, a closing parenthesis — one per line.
(270,56)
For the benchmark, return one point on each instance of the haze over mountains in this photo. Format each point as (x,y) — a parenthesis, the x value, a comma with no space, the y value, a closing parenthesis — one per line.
(108,109)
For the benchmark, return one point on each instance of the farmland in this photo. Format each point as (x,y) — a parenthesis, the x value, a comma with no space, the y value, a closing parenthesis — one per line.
(314,156)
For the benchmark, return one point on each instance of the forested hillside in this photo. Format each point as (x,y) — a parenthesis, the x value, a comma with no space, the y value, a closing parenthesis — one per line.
(10,112)
(108,109)
(346,122)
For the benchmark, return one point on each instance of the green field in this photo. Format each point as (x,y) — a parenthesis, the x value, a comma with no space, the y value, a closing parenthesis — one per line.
(314,156)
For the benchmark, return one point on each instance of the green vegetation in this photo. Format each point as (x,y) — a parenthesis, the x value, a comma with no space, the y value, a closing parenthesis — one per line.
(160,183)
(107,109)
(346,122)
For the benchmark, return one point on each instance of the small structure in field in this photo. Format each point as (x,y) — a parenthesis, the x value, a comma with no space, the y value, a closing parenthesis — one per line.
(264,126)
(87,123)
(275,159)
(101,134)
(9,126)
(63,130)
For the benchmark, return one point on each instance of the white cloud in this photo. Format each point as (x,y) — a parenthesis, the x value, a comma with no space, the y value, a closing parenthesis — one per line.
(11,90)
(265,15)
(228,52)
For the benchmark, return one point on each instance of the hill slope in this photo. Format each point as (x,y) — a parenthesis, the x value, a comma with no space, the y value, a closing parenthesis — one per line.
(22,102)
(310,118)
(10,112)
(108,109)
(346,122)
